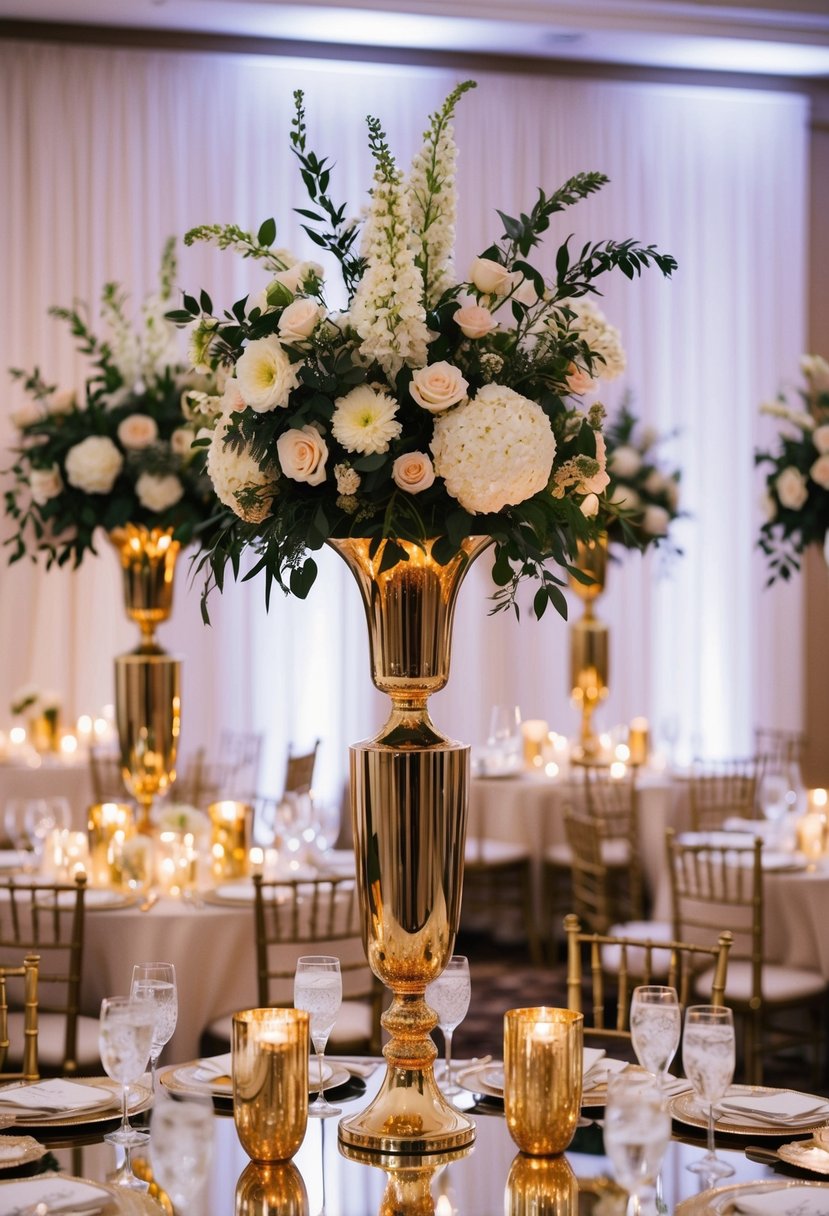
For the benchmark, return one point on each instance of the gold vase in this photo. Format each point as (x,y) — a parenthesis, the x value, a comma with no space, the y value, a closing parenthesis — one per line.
(147,679)
(271,1190)
(589,645)
(541,1186)
(409,794)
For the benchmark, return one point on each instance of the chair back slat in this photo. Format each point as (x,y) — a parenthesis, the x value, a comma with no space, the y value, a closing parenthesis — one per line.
(28,973)
(722,789)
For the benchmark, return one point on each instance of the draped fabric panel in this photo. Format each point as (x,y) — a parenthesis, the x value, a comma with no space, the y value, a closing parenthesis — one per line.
(106,152)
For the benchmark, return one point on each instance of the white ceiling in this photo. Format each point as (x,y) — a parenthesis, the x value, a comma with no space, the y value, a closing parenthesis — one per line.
(755,36)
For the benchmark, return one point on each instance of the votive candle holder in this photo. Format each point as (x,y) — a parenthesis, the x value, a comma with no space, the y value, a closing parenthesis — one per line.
(270,1050)
(229,830)
(541,1186)
(543,1057)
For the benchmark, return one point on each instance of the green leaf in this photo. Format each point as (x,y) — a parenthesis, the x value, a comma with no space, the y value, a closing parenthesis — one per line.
(540,602)
(191,304)
(392,554)
(303,577)
(267,232)
(206,302)
(501,568)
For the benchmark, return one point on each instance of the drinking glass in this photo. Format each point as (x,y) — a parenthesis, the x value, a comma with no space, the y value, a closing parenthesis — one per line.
(44,815)
(156,983)
(15,822)
(504,738)
(637,1128)
(318,988)
(125,1036)
(449,996)
(708,1059)
(181,1143)
(655,1027)
(772,795)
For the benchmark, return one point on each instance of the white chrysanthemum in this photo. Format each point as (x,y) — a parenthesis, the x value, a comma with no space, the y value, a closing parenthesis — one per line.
(265,375)
(158,493)
(604,339)
(364,420)
(495,451)
(93,464)
(238,480)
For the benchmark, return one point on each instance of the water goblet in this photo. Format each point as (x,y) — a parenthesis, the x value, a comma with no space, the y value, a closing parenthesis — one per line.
(318,989)
(15,822)
(655,1027)
(156,983)
(708,1058)
(181,1142)
(449,996)
(125,1035)
(44,815)
(637,1128)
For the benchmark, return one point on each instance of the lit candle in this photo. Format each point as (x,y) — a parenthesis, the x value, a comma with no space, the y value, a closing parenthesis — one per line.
(618,770)
(256,858)
(534,731)
(622,752)
(68,745)
(638,741)
(17,735)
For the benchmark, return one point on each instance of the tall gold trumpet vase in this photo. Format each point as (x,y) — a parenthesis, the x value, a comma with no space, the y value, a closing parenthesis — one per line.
(589,645)
(147,679)
(409,797)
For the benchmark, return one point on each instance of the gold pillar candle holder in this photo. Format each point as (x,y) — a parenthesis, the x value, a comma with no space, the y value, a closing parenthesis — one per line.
(148,563)
(543,1055)
(44,731)
(148,712)
(535,734)
(638,742)
(541,1186)
(108,825)
(271,1190)
(270,1049)
(589,645)
(230,830)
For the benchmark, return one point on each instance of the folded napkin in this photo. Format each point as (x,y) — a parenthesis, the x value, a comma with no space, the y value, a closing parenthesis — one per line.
(779,1106)
(359,1068)
(59,1194)
(213,1068)
(785,1201)
(598,1074)
(53,1097)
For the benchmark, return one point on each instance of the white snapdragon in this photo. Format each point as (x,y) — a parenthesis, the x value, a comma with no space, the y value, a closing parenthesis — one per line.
(433,209)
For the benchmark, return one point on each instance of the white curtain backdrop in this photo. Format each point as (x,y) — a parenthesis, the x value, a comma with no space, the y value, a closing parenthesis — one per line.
(107,152)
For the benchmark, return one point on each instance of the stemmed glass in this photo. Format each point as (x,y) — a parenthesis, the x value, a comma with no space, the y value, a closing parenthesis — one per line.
(708,1058)
(449,996)
(42,816)
(637,1128)
(181,1141)
(15,821)
(655,1027)
(318,988)
(156,982)
(125,1035)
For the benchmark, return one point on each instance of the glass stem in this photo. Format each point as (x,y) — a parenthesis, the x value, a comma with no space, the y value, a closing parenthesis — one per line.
(711,1150)
(447,1041)
(320,1057)
(125,1126)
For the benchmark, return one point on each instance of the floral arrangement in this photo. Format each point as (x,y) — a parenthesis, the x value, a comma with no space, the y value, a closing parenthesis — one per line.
(431,407)
(124,453)
(647,496)
(797,481)
(35,701)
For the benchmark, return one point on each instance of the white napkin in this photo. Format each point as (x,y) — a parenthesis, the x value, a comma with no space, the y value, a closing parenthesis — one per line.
(793,1200)
(55,1096)
(212,1067)
(58,1193)
(10,859)
(780,1106)
(601,1070)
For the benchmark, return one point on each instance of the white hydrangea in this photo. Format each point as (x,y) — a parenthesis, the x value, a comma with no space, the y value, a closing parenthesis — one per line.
(93,464)
(265,375)
(495,451)
(238,480)
(603,338)
(158,493)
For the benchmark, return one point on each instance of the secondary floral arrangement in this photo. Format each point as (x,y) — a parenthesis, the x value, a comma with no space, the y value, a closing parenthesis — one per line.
(34,701)
(647,496)
(431,407)
(797,480)
(124,453)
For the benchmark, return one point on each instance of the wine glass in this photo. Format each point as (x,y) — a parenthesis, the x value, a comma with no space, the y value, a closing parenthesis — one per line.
(42,816)
(181,1143)
(708,1058)
(156,982)
(449,996)
(15,822)
(772,794)
(637,1128)
(318,988)
(125,1036)
(504,738)
(655,1027)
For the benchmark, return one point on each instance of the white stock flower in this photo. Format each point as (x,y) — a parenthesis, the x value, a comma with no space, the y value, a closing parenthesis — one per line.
(93,464)
(490,277)
(791,488)
(820,438)
(137,431)
(302,455)
(238,480)
(655,520)
(45,484)
(432,197)
(496,450)
(348,479)
(265,375)
(819,472)
(299,320)
(438,386)
(364,420)
(158,492)
(625,461)
(604,339)
(413,472)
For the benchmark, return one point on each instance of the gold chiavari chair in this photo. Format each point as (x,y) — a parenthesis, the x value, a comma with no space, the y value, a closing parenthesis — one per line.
(722,789)
(498,887)
(106,777)
(28,972)
(779,749)
(611,965)
(715,886)
(232,773)
(299,770)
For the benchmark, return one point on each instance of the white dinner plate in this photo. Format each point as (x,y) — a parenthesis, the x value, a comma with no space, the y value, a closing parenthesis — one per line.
(63,1193)
(687,1108)
(240,892)
(95,898)
(185,1079)
(103,1109)
(721,1199)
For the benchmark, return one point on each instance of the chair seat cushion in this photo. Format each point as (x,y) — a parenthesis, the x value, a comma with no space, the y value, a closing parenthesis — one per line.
(643,930)
(490,852)
(779,983)
(353,1026)
(51,1035)
(615,852)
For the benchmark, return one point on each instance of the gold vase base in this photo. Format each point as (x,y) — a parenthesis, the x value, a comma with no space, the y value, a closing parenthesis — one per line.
(408,1117)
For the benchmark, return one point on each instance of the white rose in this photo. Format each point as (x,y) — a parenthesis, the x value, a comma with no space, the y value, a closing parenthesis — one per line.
(299,320)
(295,276)
(45,484)
(655,521)
(413,472)
(625,461)
(62,402)
(302,455)
(93,464)
(791,488)
(655,483)
(438,386)
(265,374)
(819,471)
(624,496)
(475,321)
(137,431)
(181,442)
(820,436)
(158,493)
(490,277)
(29,413)
(579,380)
(590,506)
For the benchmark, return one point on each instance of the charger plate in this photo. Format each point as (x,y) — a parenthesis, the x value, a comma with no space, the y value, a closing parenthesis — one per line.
(19,1150)
(141,1101)
(114,1200)
(685,1108)
(806,1155)
(179,1080)
(720,1201)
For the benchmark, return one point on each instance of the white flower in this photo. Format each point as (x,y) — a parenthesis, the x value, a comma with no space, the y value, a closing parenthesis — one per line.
(475,321)
(597,482)
(413,472)
(298,274)
(158,493)
(29,413)
(579,380)
(626,497)
(201,338)
(816,370)
(299,320)
(791,488)
(302,455)
(265,375)
(93,464)
(604,339)
(45,484)
(232,398)
(590,506)
(625,461)
(137,431)
(348,479)
(364,420)
(238,480)
(655,520)
(819,472)
(495,451)
(768,506)
(490,277)
(432,197)
(63,401)
(798,418)
(820,437)
(438,386)
(181,442)
(655,483)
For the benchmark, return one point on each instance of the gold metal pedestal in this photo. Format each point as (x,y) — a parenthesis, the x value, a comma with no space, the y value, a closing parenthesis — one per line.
(589,647)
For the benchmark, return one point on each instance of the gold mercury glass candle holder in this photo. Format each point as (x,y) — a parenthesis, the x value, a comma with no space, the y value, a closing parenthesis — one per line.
(229,831)
(543,1056)
(270,1049)
(271,1190)
(541,1186)
(109,825)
